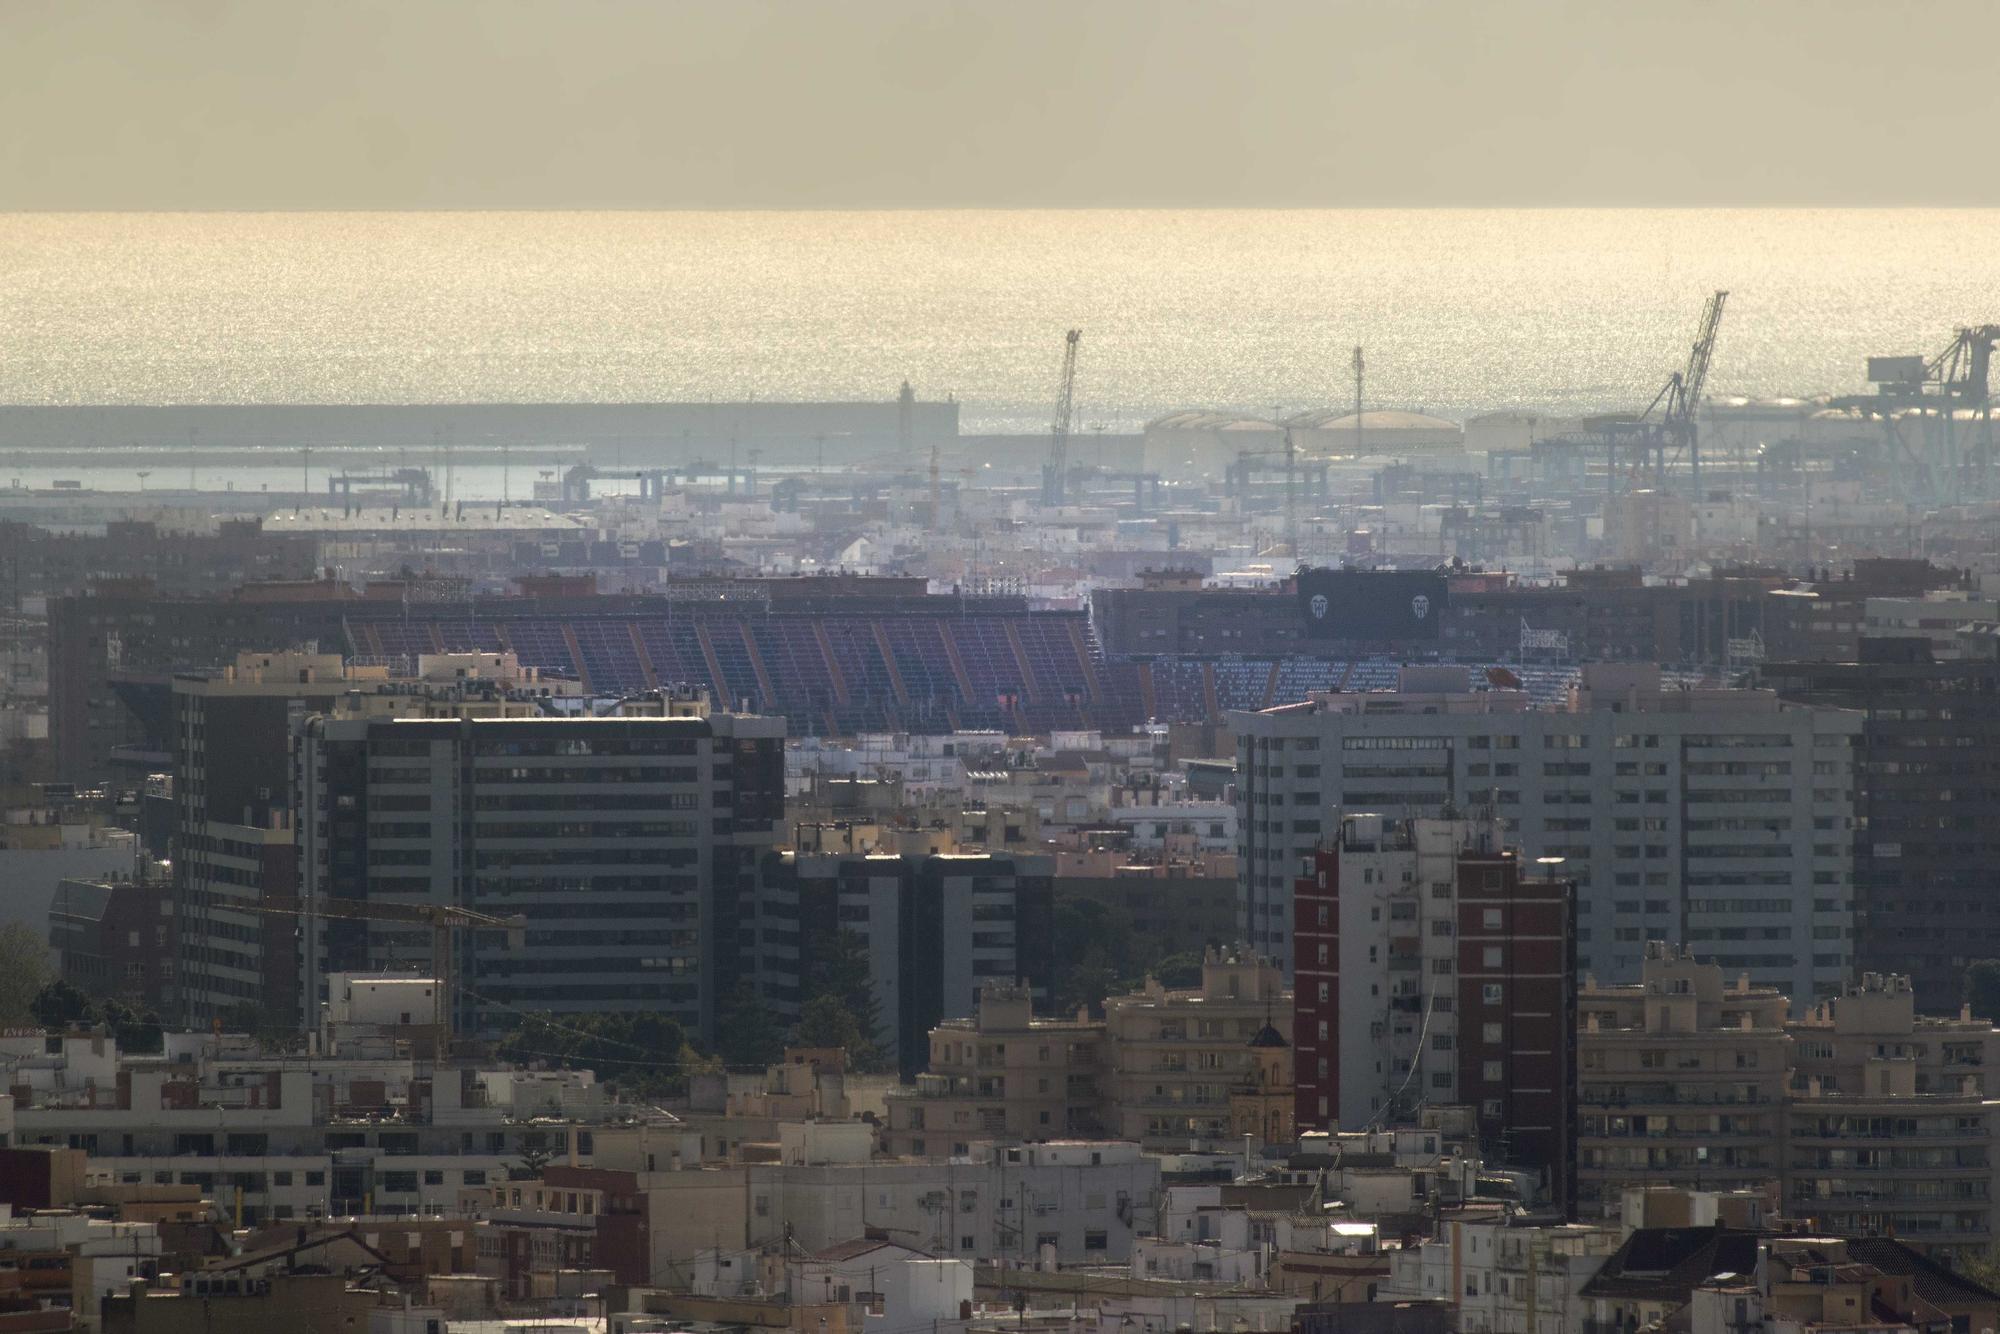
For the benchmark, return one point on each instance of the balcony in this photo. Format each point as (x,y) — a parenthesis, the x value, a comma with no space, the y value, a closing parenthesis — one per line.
(1669,1097)
(939,1086)
(1875,1199)
(1611,1138)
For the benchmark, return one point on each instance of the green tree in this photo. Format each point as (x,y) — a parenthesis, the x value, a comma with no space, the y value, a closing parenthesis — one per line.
(138,1031)
(1178,971)
(59,1005)
(1983,1269)
(534,1157)
(825,1022)
(842,972)
(840,982)
(640,1051)
(747,1033)
(24,971)
(1982,989)
(271,1032)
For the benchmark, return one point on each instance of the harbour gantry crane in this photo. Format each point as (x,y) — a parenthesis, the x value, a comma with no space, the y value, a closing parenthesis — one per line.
(441,918)
(1940,394)
(1055,472)
(1667,424)
(1308,474)
(1682,396)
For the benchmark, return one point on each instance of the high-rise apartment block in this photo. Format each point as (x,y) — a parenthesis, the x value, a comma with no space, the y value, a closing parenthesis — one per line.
(235,857)
(1375,1001)
(1432,970)
(628,843)
(1722,818)
(232,836)
(1928,834)
(936,928)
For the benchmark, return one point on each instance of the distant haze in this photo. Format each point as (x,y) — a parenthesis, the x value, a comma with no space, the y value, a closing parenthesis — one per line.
(236,104)
(1461,310)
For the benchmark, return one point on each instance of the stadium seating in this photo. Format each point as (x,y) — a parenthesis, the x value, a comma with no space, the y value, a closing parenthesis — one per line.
(841,672)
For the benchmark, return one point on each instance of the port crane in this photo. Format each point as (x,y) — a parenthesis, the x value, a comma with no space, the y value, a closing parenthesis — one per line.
(1055,471)
(1941,394)
(1237,479)
(1681,396)
(441,918)
(1665,432)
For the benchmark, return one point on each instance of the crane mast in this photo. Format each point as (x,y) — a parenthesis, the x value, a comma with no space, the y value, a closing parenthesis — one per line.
(442,919)
(1686,399)
(1054,473)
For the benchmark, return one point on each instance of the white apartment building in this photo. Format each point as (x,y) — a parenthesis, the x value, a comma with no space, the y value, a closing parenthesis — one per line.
(1396,972)
(107,1255)
(1503,1278)
(1209,825)
(1088,1199)
(925,766)
(889,1288)
(276,1138)
(1717,818)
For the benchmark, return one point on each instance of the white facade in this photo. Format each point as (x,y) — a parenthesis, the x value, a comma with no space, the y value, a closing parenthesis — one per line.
(273,1139)
(1210,824)
(1091,1200)
(1198,1261)
(1503,1279)
(896,1290)
(1717,818)
(113,1254)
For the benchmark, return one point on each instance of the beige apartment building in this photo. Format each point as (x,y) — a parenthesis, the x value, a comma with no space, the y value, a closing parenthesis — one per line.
(1681,1080)
(1175,1056)
(1002,1074)
(1161,1068)
(1888,1131)
(1871,1119)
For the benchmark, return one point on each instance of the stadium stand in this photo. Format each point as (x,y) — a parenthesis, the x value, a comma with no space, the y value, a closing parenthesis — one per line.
(834,674)
(881,659)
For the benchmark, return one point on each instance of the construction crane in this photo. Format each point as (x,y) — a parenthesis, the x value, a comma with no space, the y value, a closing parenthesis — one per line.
(1054,473)
(441,918)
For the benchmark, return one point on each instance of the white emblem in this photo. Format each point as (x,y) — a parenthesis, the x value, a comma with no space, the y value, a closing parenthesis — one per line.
(1318,605)
(1420,606)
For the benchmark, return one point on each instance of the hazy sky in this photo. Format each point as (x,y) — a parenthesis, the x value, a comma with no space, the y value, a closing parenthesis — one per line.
(708,103)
